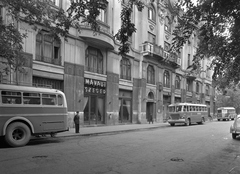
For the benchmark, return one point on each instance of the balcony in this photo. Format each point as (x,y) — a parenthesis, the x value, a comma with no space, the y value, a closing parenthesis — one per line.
(103,38)
(151,50)
(48,60)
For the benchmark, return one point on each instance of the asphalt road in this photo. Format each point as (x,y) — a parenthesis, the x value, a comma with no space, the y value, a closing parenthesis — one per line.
(203,149)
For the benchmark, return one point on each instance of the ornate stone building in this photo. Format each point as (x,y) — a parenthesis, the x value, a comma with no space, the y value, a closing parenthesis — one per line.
(107,88)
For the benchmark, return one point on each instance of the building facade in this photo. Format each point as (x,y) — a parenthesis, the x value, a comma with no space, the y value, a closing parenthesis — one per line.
(109,89)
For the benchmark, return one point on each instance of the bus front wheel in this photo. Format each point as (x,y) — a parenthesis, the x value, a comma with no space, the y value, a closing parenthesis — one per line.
(188,122)
(17,134)
(234,136)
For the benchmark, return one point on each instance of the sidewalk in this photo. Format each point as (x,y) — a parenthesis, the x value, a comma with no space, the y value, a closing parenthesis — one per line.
(96,130)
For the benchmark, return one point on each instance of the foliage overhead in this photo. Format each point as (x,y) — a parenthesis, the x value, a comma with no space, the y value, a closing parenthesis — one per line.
(218,23)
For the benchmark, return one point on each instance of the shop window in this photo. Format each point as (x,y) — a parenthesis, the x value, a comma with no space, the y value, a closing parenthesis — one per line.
(94,60)
(150,74)
(151,13)
(166,79)
(125,68)
(177,82)
(47,49)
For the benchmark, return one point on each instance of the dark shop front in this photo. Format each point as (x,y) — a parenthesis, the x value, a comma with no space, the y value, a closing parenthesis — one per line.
(94,101)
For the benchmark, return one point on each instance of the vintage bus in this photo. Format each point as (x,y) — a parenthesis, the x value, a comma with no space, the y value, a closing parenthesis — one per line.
(187,113)
(30,111)
(226,113)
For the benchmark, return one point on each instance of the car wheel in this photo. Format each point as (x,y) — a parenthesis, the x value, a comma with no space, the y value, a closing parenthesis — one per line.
(234,136)
(218,119)
(172,124)
(17,134)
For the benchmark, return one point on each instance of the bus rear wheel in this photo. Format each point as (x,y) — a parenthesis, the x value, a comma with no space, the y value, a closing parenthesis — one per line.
(17,134)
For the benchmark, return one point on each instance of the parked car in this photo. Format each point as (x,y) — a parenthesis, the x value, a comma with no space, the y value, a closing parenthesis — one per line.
(235,127)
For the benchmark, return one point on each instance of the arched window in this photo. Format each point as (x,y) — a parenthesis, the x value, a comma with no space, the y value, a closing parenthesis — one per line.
(125,68)
(150,74)
(166,79)
(94,60)
(151,13)
(177,82)
(167,24)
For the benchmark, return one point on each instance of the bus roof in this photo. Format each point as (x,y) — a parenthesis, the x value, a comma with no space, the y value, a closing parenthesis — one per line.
(187,104)
(28,88)
(225,108)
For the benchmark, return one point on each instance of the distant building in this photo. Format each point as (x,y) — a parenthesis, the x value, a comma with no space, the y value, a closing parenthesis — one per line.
(107,88)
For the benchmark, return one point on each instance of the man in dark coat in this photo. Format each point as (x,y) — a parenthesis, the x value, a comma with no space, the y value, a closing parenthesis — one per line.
(76,122)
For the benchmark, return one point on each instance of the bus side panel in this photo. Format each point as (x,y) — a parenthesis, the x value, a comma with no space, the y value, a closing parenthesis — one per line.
(44,119)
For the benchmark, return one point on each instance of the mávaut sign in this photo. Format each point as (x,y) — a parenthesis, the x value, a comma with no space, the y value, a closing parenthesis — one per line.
(92,86)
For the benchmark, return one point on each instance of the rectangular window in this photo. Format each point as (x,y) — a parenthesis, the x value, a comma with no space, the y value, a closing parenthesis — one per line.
(49,99)
(151,38)
(10,97)
(189,56)
(55,2)
(103,15)
(31,98)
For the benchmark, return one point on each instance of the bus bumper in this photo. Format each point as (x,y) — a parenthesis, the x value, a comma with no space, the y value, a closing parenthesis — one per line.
(177,121)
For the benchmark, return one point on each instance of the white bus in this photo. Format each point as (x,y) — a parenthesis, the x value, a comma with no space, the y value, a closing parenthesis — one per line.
(226,113)
(187,113)
(30,111)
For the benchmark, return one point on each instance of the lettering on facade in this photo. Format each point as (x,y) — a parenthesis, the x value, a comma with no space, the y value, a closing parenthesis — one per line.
(92,86)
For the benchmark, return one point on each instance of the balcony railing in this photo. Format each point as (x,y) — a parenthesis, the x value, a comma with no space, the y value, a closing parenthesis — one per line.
(151,49)
(103,27)
(48,60)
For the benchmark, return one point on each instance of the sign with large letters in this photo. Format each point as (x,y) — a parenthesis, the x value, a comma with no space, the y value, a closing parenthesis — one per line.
(92,86)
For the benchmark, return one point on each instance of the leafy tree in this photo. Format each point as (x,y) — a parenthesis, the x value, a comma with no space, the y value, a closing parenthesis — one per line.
(230,98)
(41,13)
(218,23)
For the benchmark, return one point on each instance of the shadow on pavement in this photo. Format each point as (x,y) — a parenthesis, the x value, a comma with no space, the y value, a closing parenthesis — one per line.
(33,142)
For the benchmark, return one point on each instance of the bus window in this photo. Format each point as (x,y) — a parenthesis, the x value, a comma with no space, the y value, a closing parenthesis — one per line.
(31,98)
(49,99)
(60,100)
(178,108)
(189,108)
(185,108)
(10,97)
(193,108)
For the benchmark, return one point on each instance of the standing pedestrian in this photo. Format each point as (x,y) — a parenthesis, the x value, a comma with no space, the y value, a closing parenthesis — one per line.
(150,119)
(76,120)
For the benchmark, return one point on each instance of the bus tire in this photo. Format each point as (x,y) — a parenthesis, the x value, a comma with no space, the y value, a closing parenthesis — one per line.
(188,123)
(234,136)
(17,134)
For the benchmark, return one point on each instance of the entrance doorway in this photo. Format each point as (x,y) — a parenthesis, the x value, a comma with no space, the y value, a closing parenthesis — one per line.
(150,111)
(94,109)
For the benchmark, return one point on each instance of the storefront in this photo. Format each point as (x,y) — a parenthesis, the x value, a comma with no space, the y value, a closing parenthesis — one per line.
(94,101)
(125,106)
